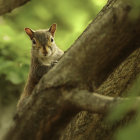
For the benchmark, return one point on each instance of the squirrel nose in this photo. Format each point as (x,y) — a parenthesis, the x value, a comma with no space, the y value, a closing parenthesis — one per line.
(44,51)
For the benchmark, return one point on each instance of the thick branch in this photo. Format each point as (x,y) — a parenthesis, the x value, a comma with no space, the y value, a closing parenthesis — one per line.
(106,42)
(96,103)
(8,5)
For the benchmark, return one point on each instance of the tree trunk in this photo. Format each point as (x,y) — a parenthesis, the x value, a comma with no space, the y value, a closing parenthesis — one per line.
(104,59)
(8,5)
(88,126)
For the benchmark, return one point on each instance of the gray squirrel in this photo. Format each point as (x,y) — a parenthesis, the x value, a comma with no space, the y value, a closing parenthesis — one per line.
(44,54)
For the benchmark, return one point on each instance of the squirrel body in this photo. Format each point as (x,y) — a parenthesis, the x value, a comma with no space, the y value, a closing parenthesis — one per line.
(44,54)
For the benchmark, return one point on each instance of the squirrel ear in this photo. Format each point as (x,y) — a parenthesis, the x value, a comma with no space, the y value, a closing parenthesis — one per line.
(29,32)
(52,29)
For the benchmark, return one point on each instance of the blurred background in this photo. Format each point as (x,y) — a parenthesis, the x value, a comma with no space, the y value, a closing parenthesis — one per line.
(72,17)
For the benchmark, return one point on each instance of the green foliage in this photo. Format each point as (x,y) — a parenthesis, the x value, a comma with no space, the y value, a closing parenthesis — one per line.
(130,132)
(72,17)
(13,58)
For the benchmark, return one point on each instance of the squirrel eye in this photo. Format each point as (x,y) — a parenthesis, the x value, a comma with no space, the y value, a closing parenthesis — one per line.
(51,39)
(33,41)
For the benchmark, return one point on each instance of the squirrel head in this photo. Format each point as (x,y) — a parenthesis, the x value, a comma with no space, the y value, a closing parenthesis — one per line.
(43,44)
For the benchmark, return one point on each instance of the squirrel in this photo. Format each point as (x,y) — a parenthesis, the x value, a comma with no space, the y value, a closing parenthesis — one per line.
(44,54)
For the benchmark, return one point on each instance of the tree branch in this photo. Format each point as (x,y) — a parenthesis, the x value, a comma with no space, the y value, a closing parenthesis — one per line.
(96,103)
(7,6)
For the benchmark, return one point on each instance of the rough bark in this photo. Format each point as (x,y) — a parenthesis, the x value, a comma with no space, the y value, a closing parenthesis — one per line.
(102,47)
(92,126)
(7,6)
